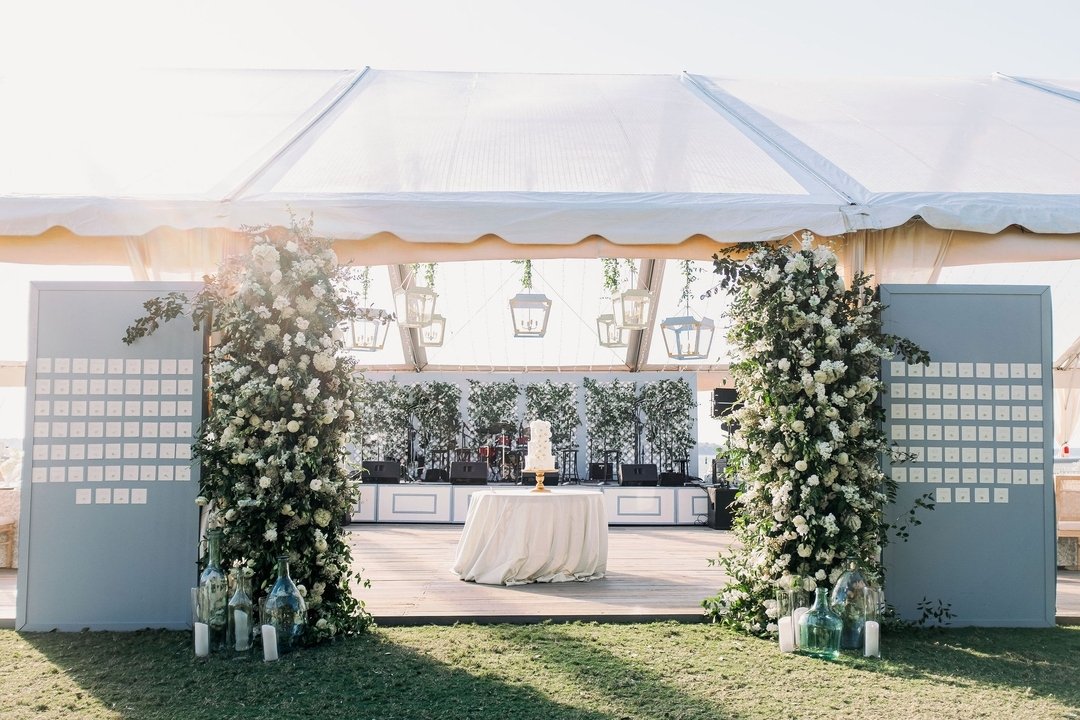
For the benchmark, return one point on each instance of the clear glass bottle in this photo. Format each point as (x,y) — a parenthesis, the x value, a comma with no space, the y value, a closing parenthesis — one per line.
(285,608)
(852,598)
(213,594)
(241,613)
(819,629)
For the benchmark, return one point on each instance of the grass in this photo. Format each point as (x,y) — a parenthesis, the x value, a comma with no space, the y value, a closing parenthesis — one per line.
(586,671)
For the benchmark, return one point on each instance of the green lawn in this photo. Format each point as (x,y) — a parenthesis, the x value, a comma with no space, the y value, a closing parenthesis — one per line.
(589,671)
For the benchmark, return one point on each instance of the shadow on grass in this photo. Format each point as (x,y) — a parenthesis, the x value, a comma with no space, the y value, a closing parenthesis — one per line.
(631,688)
(1043,661)
(153,674)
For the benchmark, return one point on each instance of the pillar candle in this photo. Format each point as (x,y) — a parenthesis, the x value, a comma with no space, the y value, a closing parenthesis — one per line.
(269,638)
(795,617)
(242,630)
(787,635)
(202,639)
(872,633)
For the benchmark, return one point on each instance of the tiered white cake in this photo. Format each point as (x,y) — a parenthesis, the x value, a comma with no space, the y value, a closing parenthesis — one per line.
(539,456)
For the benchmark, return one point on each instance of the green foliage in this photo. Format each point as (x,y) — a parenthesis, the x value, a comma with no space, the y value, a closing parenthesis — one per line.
(283,404)
(556,403)
(492,402)
(668,420)
(609,415)
(808,354)
(382,427)
(435,405)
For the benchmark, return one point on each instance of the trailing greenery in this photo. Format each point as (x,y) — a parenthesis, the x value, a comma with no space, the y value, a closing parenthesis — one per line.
(808,354)
(669,423)
(491,403)
(273,446)
(610,409)
(580,671)
(556,403)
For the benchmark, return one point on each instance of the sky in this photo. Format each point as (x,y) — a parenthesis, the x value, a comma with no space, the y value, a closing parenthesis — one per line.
(717,37)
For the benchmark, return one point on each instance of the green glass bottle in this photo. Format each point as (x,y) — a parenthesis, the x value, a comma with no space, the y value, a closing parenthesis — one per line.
(213,594)
(819,629)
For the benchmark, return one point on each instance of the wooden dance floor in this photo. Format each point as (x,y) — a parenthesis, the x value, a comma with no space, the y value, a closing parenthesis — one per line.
(653,573)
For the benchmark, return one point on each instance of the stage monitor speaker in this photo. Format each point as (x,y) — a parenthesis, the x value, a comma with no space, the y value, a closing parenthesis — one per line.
(601,472)
(382,471)
(435,475)
(468,473)
(677,479)
(529,478)
(638,475)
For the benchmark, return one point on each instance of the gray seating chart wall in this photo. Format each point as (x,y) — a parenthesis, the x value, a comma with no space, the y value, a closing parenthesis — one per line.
(979,421)
(109,525)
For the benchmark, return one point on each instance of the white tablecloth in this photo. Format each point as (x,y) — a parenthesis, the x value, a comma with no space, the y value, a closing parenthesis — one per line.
(512,537)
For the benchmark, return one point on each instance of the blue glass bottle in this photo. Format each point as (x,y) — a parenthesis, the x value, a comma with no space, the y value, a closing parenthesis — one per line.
(819,629)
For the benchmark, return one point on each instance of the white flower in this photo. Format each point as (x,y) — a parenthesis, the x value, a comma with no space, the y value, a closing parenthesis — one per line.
(800,465)
(202,501)
(784,364)
(270,535)
(322,517)
(316,484)
(312,441)
(798,426)
(302,323)
(293,426)
(264,482)
(324,362)
(275,277)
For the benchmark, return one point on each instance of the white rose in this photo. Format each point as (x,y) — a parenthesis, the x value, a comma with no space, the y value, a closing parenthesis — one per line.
(316,484)
(798,426)
(293,426)
(311,442)
(800,465)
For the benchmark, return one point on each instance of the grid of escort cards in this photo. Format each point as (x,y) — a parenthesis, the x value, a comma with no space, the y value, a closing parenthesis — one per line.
(112,420)
(973,429)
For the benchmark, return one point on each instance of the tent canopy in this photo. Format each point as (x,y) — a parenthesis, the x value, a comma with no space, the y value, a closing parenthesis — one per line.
(427,157)
(160,170)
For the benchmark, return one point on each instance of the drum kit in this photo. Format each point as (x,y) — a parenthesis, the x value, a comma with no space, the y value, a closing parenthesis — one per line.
(502,446)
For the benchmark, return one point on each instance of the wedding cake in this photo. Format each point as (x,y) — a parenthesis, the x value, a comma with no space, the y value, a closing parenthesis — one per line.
(539,455)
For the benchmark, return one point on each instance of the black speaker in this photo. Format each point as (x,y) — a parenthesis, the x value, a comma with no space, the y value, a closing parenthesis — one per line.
(601,472)
(723,401)
(638,475)
(677,479)
(529,478)
(468,473)
(435,475)
(382,471)
(720,498)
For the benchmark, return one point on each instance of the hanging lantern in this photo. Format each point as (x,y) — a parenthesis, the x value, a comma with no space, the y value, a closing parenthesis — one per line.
(687,338)
(610,334)
(415,306)
(529,312)
(433,334)
(631,309)
(369,330)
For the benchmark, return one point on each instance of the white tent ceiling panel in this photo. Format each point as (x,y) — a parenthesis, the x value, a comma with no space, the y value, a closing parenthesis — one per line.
(148,134)
(467,132)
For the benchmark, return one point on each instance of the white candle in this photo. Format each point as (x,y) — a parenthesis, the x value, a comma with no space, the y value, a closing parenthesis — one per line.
(269,637)
(872,633)
(787,636)
(202,639)
(242,630)
(795,617)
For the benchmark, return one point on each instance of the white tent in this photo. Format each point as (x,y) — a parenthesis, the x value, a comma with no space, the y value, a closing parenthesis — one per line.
(158,170)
